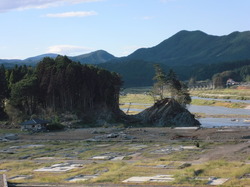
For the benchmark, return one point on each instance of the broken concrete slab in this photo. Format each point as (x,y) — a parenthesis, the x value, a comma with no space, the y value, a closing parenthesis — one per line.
(213,180)
(118,158)
(15,147)
(168,166)
(31,146)
(217,181)
(4,170)
(21,177)
(81,178)
(137,179)
(63,167)
(165,166)
(50,158)
(186,128)
(137,147)
(167,150)
(11,136)
(190,147)
(102,157)
(111,156)
(112,135)
(7,152)
(157,178)
(103,145)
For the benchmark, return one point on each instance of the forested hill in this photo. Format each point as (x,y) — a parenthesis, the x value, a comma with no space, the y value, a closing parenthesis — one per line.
(59,85)
(140,73)
(96,57)
(190,53)
(195,47)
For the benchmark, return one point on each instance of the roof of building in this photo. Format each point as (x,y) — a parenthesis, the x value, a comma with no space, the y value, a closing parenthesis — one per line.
(35,121)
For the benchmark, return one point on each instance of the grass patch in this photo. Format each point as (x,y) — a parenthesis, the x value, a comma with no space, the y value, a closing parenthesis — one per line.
(10,131)
(136,98)
(218,103)
(223,94)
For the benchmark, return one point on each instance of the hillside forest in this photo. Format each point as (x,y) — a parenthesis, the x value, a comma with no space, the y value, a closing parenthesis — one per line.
(57,85)
(137,73)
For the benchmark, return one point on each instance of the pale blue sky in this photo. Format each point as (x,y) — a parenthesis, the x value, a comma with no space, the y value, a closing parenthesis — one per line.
(73,27)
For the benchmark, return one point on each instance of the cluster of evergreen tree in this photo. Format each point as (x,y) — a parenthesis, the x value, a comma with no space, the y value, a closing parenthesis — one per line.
(3,91)
(60,85)
(169,85)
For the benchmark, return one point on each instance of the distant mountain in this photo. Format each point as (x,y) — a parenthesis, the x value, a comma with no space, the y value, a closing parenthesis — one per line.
(36,59)
(96,57)
(9,63)
(195,47)
(189,53)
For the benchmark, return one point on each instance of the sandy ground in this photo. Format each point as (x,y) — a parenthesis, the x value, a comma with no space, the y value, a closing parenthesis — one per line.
(241,134)
(233,143)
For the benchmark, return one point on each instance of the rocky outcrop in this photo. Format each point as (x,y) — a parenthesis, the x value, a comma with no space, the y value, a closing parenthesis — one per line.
(167,113)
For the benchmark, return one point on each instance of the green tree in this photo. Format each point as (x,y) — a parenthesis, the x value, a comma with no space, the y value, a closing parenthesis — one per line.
(24,95)
(170,83)
(160,78)
(3,91)
(177,89)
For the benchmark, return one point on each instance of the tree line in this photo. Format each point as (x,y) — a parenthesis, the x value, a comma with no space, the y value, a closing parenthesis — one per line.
(58,85)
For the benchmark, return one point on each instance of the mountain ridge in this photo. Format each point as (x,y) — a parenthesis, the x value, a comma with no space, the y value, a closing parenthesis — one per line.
(184,47)
(186,52)
(192,47)
(95,57)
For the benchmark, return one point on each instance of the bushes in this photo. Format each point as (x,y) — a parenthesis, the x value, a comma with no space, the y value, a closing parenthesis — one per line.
(55,127)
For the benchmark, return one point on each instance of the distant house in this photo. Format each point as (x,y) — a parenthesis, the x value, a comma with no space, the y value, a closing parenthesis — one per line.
(231,82)
(34,125)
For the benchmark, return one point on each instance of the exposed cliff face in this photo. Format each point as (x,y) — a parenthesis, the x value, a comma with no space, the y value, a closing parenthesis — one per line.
(167,113)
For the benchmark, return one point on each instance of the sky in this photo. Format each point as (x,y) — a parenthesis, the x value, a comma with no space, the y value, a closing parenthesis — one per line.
(73,27)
